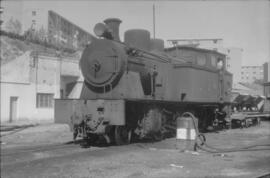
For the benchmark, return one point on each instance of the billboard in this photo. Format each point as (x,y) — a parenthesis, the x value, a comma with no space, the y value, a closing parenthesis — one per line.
(65,33)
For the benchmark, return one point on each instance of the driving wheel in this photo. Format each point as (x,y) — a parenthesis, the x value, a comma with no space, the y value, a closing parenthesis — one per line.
(122,135)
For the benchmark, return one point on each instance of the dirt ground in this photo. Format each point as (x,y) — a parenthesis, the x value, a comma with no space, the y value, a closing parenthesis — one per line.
(148,159)
(34,134)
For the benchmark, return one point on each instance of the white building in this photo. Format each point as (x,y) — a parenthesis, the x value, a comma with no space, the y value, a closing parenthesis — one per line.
(32,76)
(266,72)
(249,74)
(233,62)
(32,80)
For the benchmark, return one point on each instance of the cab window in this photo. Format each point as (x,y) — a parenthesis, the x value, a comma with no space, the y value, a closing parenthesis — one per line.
(201,60)
(213,61)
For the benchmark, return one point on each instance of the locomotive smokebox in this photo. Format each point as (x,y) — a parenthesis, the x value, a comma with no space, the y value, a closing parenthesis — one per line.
(102,64)
(113,24)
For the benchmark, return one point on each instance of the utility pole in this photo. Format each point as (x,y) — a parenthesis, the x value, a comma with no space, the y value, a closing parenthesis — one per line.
(154,22)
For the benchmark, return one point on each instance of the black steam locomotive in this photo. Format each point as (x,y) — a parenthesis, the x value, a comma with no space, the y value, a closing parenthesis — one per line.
(137,88)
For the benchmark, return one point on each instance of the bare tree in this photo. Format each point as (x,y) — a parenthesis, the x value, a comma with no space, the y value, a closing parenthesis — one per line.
(42,34)
(34,34)
(14,26)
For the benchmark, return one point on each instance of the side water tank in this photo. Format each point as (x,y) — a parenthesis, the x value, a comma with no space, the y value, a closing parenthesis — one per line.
(138,38)
(157,44)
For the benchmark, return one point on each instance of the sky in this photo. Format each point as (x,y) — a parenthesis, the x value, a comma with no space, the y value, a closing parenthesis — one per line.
(241,24)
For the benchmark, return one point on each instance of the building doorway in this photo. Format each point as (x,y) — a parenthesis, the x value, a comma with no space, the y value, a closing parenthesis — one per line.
(13,108)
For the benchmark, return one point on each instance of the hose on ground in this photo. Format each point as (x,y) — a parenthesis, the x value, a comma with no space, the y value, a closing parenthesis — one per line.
(201,142)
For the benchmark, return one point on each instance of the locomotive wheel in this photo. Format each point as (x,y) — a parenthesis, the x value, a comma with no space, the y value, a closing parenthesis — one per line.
(122,135)
(91,139)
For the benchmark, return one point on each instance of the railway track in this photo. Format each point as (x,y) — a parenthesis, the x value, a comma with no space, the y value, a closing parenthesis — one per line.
(22,155)
(39,148)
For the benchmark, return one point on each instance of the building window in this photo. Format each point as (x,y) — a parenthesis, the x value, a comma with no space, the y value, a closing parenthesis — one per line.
(34,13)
(44,100)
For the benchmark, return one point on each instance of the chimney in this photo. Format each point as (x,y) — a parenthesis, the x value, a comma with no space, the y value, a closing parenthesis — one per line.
(113,24)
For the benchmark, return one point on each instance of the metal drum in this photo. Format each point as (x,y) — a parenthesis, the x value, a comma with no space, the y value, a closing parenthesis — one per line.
(185,133)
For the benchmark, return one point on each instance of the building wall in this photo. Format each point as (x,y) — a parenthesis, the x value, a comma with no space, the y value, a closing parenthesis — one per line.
(266,72)
(233,62)
(24,103)
(16,83)
(268,78)
(48,75)
(251,73)
(29,76)
(266,90)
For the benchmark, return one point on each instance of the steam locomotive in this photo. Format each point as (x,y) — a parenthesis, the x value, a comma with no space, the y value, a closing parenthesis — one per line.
(135,89)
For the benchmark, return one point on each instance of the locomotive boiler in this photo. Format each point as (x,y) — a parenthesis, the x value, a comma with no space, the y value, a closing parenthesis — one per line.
(135,89)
